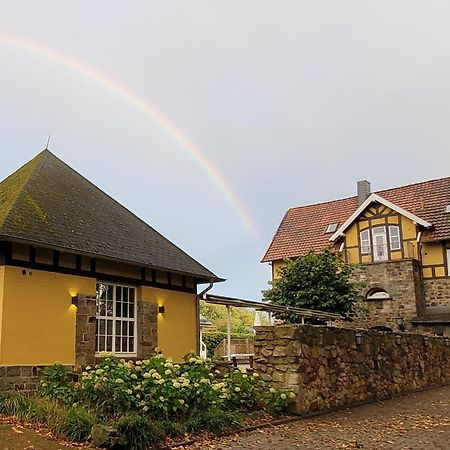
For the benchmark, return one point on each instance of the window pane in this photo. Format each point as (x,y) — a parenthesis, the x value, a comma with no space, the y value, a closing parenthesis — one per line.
(102,326)
(131,311)
(125,294)
(109,308)
(131,297)
(109,344)
(131,349)
(109,328)
(117,349)
(118,309)
(131,328)
(124,344)
(118,293)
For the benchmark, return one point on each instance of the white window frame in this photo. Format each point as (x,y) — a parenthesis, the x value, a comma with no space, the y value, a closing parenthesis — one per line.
(365,243)
(115,319)
(448,261)
(398,245)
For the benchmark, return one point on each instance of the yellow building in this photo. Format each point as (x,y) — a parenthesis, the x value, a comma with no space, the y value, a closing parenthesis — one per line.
(400,240)
(80,274)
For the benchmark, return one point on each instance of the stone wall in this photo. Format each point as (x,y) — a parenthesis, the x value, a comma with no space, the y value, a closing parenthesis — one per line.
(327,369)
(402,281)
(437,291)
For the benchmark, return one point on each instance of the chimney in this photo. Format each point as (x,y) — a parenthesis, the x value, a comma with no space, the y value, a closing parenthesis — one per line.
(363,191)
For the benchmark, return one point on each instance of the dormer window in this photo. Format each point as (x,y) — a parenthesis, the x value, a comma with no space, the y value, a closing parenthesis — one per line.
(447,209)
(331,228)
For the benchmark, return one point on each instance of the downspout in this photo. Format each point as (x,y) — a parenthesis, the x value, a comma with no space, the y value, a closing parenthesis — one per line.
(200,296)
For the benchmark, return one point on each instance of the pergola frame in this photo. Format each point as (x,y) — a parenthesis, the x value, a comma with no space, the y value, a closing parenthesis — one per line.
(260,306)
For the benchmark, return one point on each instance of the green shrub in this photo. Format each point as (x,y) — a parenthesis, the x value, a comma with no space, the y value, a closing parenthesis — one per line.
(76,423)
(55,383)
(159,389)
(71,422)
(214,420)
(139,431)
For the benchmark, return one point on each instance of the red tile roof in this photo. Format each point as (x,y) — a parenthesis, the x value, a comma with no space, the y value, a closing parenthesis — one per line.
(303,229)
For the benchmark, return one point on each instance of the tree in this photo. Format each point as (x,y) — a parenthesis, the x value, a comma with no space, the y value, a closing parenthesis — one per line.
(319,281)
(241,318)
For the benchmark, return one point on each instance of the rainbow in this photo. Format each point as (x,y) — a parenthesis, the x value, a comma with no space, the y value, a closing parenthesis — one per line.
(132,98)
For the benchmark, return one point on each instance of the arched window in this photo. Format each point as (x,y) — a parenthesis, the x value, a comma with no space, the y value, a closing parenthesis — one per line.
(377,294)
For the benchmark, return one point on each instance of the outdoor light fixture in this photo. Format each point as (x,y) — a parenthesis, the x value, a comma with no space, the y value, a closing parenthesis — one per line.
(401,323)
(398,339)
(358,338)
(75,301)
(426,341)
(447,342)
(161,309)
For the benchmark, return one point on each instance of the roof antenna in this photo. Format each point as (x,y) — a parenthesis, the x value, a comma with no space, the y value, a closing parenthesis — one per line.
(48,142)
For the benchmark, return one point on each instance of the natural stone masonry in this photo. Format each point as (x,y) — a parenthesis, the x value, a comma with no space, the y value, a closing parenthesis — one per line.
(327,369)
(437,291)
(19,378)
(85,331)
(147,329)
(402,281)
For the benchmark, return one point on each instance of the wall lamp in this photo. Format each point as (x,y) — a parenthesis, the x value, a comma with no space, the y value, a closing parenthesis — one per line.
(426,341)
(447,342)
(398,339)
(75,301)
(161,309)
(358,338)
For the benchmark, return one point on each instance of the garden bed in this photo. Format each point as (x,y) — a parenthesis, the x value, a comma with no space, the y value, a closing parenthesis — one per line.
(145,403)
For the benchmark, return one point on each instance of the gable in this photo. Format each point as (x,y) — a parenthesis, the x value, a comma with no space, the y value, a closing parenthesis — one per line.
(366,207)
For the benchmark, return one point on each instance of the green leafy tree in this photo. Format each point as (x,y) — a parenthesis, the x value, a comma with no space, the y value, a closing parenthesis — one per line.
(317,280)
(241,318)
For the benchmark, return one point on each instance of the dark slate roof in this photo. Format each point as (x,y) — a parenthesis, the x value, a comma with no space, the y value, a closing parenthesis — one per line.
(47,202)
(303,228)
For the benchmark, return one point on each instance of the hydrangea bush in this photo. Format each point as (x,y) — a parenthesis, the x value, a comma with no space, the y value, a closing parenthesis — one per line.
(158,388)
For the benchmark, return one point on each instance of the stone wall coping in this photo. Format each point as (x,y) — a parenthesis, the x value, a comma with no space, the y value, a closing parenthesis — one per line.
(294,326)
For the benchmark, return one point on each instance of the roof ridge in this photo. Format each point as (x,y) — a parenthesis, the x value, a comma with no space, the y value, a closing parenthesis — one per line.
(33,163)
(412,184)
(374,192)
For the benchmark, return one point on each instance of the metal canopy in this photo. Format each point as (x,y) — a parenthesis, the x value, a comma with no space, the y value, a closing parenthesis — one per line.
(241,303)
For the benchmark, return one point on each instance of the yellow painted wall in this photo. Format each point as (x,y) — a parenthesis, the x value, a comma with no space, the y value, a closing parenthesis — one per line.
(352,236)
(38,321)
(432,253)
(177,327)
(276,266)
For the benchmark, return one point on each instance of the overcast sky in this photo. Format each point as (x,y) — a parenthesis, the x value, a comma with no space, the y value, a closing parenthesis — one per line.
(291,102)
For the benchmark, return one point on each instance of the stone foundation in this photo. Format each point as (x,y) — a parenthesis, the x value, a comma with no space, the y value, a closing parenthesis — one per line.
(327,369)
(19,378)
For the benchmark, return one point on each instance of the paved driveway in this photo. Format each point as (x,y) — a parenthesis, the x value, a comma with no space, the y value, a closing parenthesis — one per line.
(417,421)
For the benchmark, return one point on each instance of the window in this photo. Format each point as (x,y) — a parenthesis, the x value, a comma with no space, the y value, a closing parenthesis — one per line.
(377,294)
(331,228)
(365,242)
(447,209)
(116,319)
(394,237)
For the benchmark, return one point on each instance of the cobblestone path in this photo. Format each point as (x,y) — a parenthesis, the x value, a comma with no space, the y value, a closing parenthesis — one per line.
(417,421)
